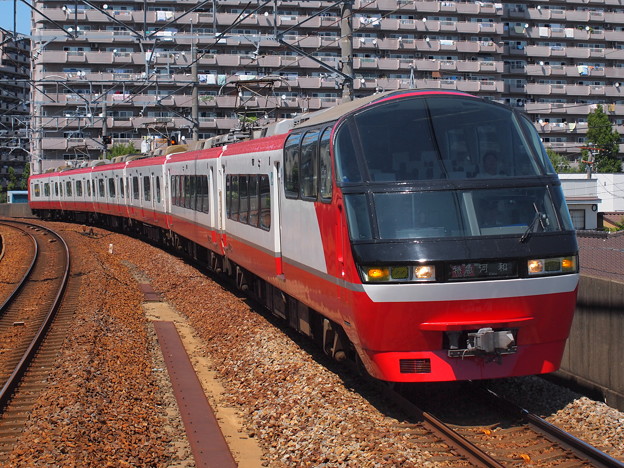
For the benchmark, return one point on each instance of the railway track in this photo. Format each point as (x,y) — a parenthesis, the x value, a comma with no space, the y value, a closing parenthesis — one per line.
(483,429)
(18,249)
(32,327)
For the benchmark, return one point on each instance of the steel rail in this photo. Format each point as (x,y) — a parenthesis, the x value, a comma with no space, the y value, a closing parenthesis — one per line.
(474,454)
(579,447)
(18,288)
(20,369)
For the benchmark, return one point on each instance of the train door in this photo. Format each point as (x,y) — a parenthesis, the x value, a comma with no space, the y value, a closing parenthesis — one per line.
(275,182)
(213,206)
(222,208)
(212,190)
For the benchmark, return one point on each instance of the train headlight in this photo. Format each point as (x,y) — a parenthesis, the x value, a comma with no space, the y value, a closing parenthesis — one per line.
(424,273)
(398,273)
(552,266)
(374,274)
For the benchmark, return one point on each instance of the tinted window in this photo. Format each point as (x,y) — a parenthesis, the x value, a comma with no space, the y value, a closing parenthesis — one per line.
(234,204)
(309,165)
(254,199)
(291,166)
(135,187)
(147,188)
(204,194)
(265,202)
(325,175)
(186,190)
(243,212)
(111,187)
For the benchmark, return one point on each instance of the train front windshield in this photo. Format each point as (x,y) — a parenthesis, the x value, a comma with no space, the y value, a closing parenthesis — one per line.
(440,166)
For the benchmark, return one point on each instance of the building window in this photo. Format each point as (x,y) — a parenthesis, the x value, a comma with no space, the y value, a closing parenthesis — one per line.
(578,218)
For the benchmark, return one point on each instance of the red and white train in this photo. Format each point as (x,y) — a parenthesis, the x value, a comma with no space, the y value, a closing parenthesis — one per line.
(422,233)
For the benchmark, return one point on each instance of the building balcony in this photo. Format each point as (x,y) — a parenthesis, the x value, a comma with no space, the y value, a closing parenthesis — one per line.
(538,88)
(365,63)
(427,6)
(472,47)
(228,60)
(389,64)
(577,90)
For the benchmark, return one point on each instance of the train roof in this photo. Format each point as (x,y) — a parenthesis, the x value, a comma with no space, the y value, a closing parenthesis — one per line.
(336,112)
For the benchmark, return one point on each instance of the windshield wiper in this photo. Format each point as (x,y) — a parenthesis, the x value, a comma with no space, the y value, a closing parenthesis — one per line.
(539,216)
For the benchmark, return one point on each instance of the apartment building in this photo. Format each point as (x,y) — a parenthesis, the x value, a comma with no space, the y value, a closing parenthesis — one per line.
(14,104)
(141,71)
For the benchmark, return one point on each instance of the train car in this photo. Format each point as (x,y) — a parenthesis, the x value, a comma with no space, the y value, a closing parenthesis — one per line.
(421,233)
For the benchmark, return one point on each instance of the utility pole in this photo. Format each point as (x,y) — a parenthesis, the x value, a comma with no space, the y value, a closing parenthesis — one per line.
(346,48)
(195,90)
(104,125)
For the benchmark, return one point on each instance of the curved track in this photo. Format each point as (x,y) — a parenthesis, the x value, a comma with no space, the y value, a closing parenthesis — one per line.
(18,254)
(26,318)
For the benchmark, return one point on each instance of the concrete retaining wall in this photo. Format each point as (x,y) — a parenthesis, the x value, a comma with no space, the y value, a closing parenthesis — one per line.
(15,210)
(594,355)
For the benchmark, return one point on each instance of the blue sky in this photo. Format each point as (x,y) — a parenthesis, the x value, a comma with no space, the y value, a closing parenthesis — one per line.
(23,16)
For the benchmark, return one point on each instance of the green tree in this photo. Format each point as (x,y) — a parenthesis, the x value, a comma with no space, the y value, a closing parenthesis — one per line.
(12,184)
(559,162)
(604,142)
(25,176)
(121,149)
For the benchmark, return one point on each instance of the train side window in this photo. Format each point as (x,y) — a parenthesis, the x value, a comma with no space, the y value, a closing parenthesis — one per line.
(56,189)
(205,195)
(135,187)
(37,190)
(93,186)
(68,186)
(358,217)
(347,169)
(228,196)
(61,189)
(46,189)
(243,212)
(253,200)
(186,190)
(193,192)
(291,166)
(147,188)
(79,188)
(309,166)
(325,172)
(111,187)
(157,189)
(121,187)
(180,183)
(101,187)
(235,202)
(88,185)
(175,187)
(265,202)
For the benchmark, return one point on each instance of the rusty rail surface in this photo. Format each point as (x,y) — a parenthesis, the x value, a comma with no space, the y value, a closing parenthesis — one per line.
(14,379)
